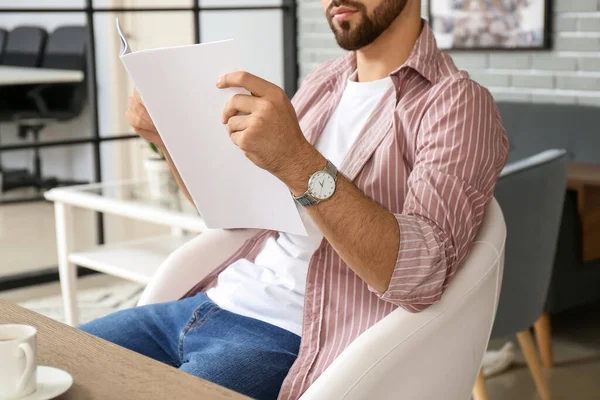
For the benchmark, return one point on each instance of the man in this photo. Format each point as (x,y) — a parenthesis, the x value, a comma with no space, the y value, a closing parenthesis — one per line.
(419,147)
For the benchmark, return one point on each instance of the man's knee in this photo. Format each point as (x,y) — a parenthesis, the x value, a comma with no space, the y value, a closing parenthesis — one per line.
(116,328)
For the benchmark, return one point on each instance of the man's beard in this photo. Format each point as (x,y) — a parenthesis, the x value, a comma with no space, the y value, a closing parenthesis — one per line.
(369,28)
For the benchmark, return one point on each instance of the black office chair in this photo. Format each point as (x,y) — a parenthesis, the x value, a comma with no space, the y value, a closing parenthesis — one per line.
(3,38)
(66,49)
(24,47)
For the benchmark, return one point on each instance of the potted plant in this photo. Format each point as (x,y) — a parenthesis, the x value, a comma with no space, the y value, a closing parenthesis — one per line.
(161,182)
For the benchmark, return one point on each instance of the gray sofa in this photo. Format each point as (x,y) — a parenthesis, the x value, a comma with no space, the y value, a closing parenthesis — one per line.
(531,129)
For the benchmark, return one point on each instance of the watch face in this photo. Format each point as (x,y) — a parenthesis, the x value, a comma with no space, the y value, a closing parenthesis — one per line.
(321,185)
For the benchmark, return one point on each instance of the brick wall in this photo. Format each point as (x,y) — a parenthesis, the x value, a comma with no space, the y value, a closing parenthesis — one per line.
(569,73)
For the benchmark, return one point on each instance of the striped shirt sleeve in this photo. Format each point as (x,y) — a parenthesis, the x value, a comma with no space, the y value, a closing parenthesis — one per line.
(460,150)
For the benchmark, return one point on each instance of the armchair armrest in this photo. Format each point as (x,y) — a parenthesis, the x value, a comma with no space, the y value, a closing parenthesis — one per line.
(431,355)
(189,264)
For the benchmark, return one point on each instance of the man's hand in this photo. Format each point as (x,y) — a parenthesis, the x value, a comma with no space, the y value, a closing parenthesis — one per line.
(265,127)
(140,121)
(142,124)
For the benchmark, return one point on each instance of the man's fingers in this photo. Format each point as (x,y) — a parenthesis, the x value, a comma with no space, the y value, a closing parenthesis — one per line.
(237,138)
(240,103)
(150,136)
(238,123)
(252,83)
(138,121)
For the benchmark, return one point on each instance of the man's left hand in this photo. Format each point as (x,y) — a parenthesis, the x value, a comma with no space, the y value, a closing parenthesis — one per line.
(265,127)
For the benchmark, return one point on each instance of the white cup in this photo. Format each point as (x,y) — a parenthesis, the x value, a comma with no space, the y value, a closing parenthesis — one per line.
(17,361)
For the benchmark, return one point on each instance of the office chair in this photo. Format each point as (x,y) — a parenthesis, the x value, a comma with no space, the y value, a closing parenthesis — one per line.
(431,355)
(24,47)
(66,49)
(3,38)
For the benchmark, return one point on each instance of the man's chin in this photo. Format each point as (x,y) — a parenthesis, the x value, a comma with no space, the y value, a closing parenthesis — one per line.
(347,44)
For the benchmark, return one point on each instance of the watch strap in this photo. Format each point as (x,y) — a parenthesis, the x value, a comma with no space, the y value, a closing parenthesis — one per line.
(332,170)
(306,200)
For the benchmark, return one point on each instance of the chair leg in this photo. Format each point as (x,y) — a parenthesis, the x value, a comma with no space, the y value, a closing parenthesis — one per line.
(543,336)
(480,391)
(528,348)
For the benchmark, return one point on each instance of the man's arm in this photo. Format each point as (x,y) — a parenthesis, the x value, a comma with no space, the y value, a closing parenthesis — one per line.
(139,119)
(405,258)
(408,258)
(362,232)
(175,173)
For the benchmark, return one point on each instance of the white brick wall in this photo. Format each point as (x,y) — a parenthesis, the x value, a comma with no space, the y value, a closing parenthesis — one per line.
(568,74)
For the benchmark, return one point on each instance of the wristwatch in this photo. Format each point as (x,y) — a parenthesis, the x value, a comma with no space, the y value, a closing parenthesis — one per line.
(321,186)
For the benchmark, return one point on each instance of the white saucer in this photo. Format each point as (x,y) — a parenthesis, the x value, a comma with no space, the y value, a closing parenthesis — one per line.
(51,383)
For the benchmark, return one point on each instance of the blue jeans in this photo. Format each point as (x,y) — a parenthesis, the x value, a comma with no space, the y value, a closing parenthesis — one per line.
(243,354)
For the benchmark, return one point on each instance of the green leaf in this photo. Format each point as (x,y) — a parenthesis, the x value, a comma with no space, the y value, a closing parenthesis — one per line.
(156,150)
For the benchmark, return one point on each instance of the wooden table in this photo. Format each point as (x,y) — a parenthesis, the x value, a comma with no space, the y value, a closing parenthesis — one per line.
(31,76)
(585,180)
(102,370)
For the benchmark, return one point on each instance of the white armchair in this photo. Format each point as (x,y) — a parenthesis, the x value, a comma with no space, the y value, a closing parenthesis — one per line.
(431,355)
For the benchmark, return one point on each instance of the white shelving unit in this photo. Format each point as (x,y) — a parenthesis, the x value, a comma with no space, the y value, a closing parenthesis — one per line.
(136,260)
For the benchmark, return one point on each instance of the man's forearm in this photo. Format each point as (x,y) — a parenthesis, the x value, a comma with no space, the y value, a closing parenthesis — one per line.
(364,234)
(367,241)
(175,173)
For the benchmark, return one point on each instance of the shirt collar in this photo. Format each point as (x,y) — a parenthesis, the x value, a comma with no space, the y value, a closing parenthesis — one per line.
(423,59)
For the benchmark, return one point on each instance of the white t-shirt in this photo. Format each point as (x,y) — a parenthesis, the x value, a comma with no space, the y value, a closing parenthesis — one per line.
(271,288)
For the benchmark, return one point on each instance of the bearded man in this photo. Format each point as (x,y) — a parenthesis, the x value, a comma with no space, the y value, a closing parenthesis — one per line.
(392,154)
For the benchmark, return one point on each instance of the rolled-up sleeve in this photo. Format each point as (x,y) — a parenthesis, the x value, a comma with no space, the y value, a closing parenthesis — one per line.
(460,151)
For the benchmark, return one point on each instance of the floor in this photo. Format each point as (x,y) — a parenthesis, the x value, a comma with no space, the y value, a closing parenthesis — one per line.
(97,296)
(576,375)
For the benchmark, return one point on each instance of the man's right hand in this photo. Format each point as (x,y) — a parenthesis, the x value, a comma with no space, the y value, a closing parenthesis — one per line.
(140,121)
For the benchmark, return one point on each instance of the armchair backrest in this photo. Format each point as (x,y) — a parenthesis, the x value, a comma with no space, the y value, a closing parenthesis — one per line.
(531,192)
(535,127)
(432,355)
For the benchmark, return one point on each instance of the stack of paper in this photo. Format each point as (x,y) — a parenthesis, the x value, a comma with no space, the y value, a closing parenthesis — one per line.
(178,87)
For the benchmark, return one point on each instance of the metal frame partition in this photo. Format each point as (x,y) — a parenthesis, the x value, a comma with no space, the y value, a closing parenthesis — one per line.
(291,71)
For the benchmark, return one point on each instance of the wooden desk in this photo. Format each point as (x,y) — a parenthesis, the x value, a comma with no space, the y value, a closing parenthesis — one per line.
(102,370)
(585,180)
(30,76)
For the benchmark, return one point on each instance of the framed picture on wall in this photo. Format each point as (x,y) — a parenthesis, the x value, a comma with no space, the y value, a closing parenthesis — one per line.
(491,24)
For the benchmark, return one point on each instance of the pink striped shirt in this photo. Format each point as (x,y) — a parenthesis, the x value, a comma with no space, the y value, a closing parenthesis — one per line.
(431,154)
